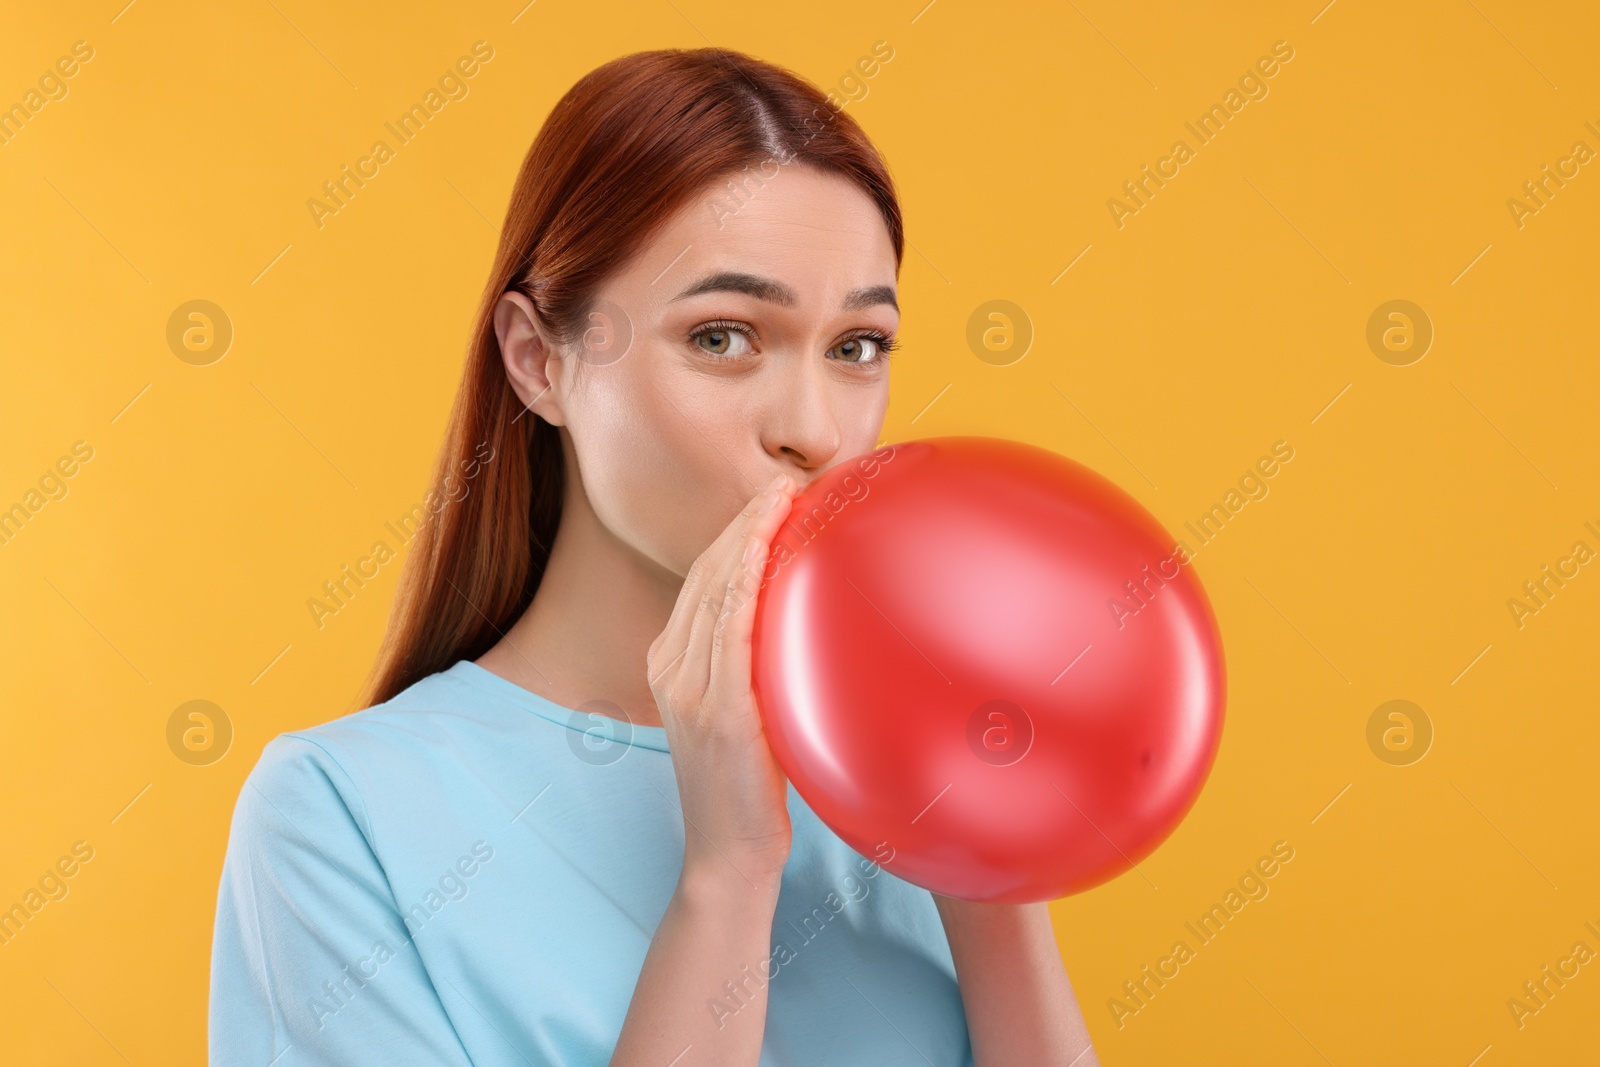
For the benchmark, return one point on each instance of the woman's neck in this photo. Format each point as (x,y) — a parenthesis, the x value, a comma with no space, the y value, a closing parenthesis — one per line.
(587,634)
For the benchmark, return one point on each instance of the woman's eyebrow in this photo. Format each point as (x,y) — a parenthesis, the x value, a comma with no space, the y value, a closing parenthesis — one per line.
(776,292)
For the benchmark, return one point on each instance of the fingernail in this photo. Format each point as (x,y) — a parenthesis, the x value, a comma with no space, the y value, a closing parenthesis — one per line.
(751,549)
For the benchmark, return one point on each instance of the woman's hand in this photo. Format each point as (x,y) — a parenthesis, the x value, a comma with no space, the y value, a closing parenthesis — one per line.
(732,791)
(736,820)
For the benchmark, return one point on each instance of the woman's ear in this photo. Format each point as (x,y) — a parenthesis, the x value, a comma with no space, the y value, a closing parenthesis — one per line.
(533,364)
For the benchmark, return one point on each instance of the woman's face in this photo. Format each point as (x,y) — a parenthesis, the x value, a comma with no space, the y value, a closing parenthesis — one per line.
(739,344)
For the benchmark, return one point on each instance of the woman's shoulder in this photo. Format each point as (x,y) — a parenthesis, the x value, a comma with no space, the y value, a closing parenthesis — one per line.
(390,745)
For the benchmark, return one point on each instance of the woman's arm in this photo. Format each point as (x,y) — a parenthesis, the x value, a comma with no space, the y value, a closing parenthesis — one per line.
(1020,1006)
(706,956)
(710,947)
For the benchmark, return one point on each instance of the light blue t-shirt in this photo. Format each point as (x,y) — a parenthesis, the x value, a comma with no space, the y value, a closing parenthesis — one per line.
(471,874)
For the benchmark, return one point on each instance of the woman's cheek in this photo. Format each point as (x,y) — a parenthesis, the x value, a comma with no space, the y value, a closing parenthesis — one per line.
(644,468)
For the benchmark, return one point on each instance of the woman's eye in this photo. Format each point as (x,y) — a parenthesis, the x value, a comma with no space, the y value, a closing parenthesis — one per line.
(724,341)
(866,349)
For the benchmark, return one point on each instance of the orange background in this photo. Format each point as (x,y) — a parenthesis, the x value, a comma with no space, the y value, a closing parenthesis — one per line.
(1228,313)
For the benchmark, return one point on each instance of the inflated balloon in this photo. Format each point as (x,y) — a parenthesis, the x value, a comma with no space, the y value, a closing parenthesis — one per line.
(987,668)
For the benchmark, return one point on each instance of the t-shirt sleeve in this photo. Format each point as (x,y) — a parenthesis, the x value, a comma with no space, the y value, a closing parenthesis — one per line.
(311,962)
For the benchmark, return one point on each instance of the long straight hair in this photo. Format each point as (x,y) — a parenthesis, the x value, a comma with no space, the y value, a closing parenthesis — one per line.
(627,146)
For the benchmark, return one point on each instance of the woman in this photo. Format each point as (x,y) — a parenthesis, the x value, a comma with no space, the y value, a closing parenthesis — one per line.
(557,835)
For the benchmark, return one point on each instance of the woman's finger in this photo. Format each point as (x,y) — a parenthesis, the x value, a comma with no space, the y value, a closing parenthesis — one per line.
(707,575)
(669,646)
(729,668)
(692,672)
(726,558)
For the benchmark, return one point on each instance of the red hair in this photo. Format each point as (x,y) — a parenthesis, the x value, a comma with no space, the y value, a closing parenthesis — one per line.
(628,146)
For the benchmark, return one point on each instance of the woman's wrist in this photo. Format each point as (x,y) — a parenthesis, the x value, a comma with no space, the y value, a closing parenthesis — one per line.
(715,932)
(717,884)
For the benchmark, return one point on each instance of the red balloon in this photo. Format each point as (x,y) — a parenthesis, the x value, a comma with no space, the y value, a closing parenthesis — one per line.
(987,668)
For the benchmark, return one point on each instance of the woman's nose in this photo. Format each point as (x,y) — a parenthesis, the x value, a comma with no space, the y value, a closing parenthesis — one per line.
(802,425)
